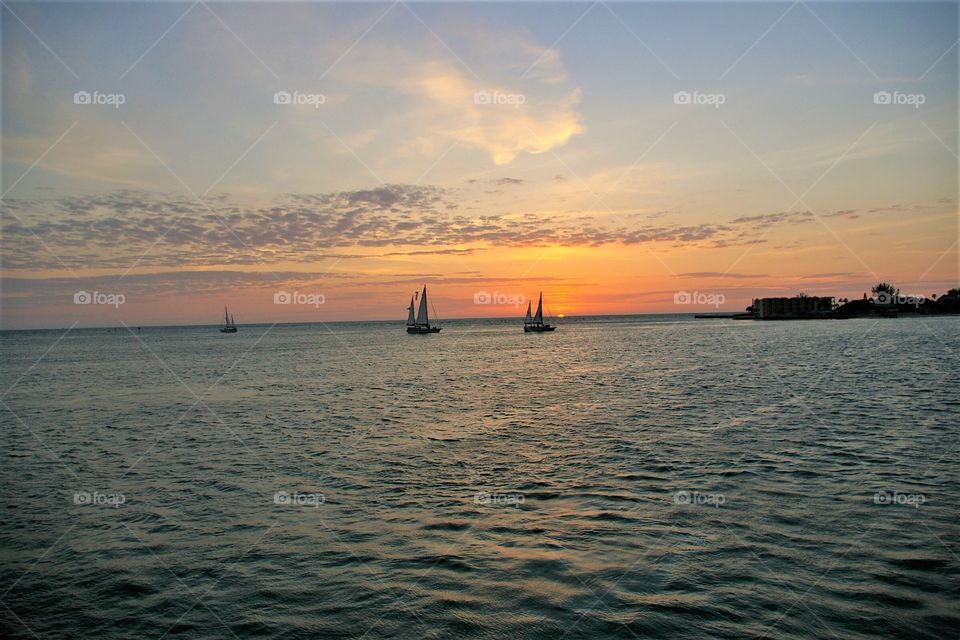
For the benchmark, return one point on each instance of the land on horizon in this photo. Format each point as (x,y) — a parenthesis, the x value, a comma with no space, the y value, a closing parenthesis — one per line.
(845,310)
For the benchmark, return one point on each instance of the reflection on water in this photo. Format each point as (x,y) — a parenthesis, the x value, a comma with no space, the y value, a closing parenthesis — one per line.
(631,477)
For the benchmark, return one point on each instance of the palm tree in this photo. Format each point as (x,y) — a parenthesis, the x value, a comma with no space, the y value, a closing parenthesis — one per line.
(885,287)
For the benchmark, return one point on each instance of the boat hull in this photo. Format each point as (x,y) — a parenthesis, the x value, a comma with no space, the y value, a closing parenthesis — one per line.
(228,329)
(423,330)
(538,328)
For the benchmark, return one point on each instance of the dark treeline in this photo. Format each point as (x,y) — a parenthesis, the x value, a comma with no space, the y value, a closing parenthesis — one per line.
(887,300)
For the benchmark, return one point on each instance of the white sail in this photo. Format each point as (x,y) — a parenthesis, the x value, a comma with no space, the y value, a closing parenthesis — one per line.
(529,318)
(422,311)
(410,320)
(538,319)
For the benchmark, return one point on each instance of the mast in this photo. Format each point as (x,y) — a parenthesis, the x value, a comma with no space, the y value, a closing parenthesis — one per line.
(538,319)
(410,320)
(232,322)
(422,316)
(226,318)
(529,318)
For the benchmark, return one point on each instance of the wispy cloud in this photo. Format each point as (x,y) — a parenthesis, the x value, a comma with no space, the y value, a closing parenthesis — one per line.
(482,103)
(113,230)
(721,274)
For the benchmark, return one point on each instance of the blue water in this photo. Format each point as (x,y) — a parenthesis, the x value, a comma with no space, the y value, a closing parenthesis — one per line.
(648,477)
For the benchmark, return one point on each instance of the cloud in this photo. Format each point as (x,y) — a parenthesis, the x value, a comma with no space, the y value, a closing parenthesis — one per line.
(500,115)
(765,220)
(834,274)
(115,230)
(720,274)
(123,228)
(436,252)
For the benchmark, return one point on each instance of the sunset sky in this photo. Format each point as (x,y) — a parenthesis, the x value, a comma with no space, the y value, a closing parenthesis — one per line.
(506,148)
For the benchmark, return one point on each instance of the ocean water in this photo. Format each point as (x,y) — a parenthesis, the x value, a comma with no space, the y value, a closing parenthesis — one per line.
(638,477)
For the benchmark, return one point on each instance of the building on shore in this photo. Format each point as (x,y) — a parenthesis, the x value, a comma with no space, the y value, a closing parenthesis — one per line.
(793,308)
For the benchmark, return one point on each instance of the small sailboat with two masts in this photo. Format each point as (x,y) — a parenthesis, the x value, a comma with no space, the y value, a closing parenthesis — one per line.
(420,324)
(535,324)
(229,326)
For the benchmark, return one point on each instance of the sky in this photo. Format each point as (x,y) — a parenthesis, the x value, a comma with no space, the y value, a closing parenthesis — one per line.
(620,157)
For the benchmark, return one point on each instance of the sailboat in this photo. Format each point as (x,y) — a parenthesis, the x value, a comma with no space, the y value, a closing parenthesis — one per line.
(229,326)
(421,324)
(534,324)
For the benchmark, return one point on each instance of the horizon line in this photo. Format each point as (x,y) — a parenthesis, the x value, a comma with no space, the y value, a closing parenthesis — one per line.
(399,322)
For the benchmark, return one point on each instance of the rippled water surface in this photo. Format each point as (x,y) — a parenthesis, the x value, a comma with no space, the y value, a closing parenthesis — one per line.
(649,477)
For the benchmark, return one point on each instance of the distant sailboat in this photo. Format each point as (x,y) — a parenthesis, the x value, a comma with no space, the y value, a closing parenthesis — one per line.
(421,324)
(229,326)
(534,324)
